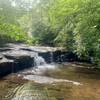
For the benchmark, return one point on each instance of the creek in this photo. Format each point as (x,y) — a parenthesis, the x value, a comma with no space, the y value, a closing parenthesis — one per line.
(52,81)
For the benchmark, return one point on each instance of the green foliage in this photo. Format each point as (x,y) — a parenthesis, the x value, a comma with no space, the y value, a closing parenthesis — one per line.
(44,34)
(11,32)
(80,19)
(87,32)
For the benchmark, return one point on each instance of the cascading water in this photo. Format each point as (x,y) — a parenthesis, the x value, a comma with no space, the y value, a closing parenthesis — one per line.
(38,60)
(40,64)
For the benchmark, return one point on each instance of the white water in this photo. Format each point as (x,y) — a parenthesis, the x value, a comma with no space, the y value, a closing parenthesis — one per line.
(38,60)
(40,63)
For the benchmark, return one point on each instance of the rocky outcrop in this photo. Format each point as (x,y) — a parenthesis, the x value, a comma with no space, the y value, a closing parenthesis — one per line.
(13,61)
(15,57)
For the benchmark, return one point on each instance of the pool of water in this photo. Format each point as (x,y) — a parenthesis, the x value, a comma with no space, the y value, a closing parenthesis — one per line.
(67,81)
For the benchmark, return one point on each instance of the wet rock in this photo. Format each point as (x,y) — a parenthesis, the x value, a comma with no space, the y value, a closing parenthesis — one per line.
(6,66)
(41,49)
(5,49)
(18,54)
(22,59)
(1,56)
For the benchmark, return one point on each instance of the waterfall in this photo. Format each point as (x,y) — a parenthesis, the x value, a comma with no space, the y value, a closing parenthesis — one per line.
(38,60)
(41,65)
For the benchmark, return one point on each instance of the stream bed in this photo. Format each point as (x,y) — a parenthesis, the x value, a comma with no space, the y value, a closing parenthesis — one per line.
(66,81)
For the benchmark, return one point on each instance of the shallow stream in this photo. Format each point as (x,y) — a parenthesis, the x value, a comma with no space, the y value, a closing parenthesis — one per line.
(67,81)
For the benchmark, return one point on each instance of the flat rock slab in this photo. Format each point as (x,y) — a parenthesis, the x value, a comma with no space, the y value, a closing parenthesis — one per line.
(41,49)
(32,48)
(17,54)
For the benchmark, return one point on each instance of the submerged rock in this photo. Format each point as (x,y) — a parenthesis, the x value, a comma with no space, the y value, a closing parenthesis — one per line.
(30,92)
(48,80)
